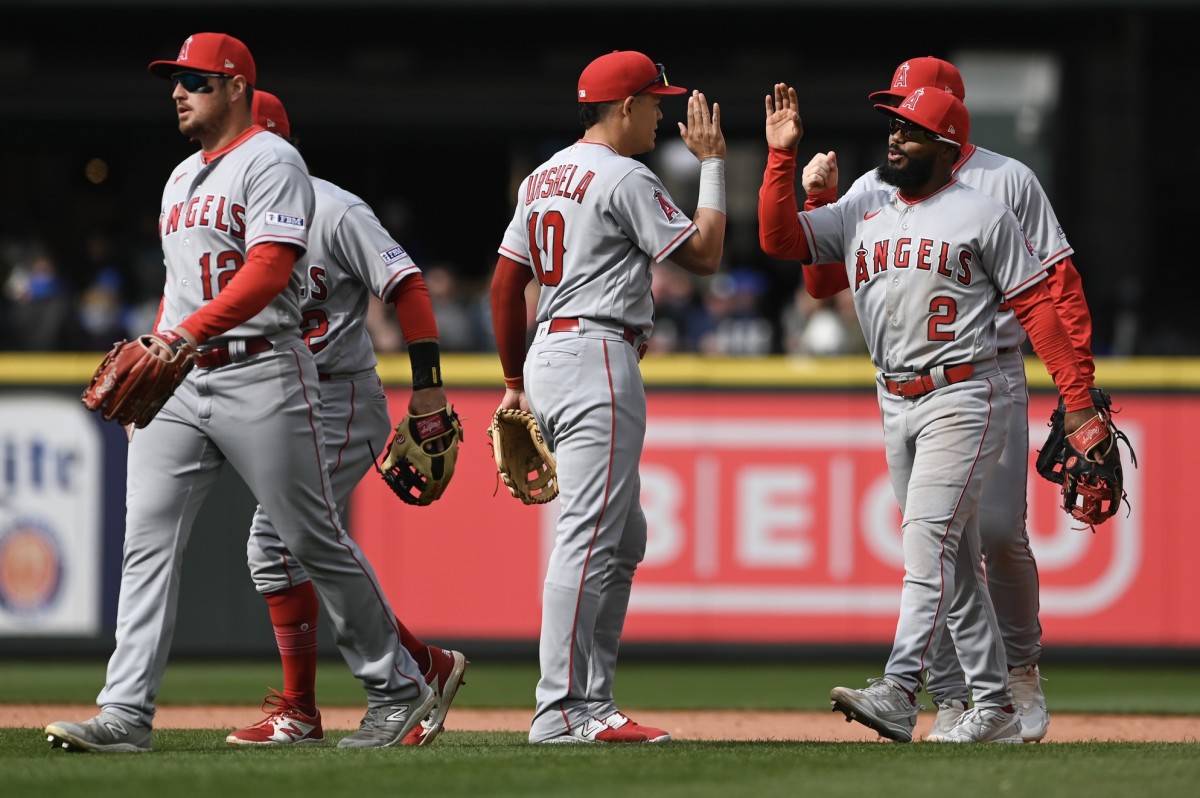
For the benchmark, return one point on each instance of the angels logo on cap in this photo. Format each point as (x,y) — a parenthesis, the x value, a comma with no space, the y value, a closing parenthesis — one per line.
(217,53)
(925,71)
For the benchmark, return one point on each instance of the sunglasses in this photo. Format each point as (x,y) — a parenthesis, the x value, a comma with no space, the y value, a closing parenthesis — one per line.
(196,82)
(661,76)
(914,132)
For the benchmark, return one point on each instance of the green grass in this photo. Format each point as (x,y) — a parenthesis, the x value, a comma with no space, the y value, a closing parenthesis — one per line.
(192,763)
(665,685)
(198,763)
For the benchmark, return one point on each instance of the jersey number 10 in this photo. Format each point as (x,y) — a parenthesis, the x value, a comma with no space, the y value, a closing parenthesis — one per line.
(548,254)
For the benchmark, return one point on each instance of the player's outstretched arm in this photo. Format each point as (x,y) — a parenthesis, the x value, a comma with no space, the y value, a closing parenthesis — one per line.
(701,252)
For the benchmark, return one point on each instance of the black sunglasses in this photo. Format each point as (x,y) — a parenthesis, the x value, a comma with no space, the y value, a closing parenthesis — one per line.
(914,132)
(196,82)
(661,76)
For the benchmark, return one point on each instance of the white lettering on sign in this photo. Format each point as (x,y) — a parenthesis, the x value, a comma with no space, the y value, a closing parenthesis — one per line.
(799,517)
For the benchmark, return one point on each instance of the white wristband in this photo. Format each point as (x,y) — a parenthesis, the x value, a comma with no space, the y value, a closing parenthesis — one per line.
(712,184)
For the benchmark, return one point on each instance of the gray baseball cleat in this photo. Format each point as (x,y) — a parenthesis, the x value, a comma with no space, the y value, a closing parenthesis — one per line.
(1025,681)
(984,725)
(388,724)
(883,706)
(105,733)
(948,713)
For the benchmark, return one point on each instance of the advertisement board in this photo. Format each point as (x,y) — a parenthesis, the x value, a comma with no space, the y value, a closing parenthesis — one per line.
(51,481)
(772,520)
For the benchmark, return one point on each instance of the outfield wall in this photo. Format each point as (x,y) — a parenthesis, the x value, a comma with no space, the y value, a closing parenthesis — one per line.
(772,521)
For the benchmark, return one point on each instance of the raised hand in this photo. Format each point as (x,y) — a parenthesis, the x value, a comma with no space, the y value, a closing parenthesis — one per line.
(784,128)
(702,133)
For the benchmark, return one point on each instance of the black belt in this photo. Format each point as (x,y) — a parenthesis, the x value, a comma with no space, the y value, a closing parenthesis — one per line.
(925,383)
(217,356)
(572,325)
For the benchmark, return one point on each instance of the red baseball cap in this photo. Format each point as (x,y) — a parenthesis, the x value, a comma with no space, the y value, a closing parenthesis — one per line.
(218,53)
(939,112)
(926,71)
(268,111)
(621,74)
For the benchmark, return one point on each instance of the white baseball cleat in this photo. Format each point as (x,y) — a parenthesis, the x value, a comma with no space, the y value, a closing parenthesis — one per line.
(1025,681)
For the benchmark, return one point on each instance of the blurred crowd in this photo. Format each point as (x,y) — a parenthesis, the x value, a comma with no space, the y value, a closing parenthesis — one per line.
(51,301)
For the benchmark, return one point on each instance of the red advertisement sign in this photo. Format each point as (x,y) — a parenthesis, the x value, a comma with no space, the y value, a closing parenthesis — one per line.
(772,520)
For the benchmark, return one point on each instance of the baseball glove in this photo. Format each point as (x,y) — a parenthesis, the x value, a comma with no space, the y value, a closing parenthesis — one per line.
(523,461)
(1087,463)
(136,378)
(421,456)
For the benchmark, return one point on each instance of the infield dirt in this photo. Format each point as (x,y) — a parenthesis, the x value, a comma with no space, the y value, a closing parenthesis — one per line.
(683,725)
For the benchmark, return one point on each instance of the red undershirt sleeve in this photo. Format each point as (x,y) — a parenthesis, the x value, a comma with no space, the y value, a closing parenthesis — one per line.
(1035,310)
(265,273)
(779,232)
(1066,287)
(414,309)
(508,318)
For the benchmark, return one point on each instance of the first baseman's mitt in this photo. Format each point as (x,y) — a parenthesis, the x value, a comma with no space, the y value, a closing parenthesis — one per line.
(421,456)
(136,378)
(1087,463)
(522,458)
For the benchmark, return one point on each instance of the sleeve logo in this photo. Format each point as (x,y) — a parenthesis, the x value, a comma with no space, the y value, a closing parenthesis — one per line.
(392,255)
(284,220)
(669,210)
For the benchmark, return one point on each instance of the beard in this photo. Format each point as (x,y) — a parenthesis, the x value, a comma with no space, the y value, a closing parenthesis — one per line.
(916,171)
(198,128)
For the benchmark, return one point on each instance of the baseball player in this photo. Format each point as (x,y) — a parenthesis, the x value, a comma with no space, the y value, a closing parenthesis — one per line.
(350,256)
(588,224)
(929,261)
(1011,568)
(235,218)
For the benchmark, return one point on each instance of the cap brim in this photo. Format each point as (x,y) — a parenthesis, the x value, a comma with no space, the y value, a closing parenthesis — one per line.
(879,95)
(665,90)
(165,69)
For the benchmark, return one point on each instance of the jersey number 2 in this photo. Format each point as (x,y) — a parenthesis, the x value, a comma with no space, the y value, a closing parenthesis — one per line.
(547,254)
(945,311)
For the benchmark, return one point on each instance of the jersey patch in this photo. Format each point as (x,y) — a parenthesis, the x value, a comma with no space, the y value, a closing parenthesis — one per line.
(669,210)
(284,220)
(392,255)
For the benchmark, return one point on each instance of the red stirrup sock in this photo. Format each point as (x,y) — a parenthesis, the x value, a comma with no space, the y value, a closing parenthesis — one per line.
(416,649)
(294,614)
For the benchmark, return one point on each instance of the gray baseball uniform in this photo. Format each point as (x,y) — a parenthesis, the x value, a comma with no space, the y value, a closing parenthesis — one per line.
(928,278)
(258,411)
(338,283)
(589,222)
(1011,569)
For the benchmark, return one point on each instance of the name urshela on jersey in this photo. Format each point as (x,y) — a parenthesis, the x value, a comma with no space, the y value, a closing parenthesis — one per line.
(206,211)
(558,181)
(919,255)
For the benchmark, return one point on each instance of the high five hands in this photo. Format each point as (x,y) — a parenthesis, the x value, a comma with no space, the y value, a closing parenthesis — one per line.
(702,133)
(784,128)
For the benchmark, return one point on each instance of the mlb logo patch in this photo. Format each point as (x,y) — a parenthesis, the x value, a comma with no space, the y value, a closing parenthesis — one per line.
(284,220)
(392,255)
